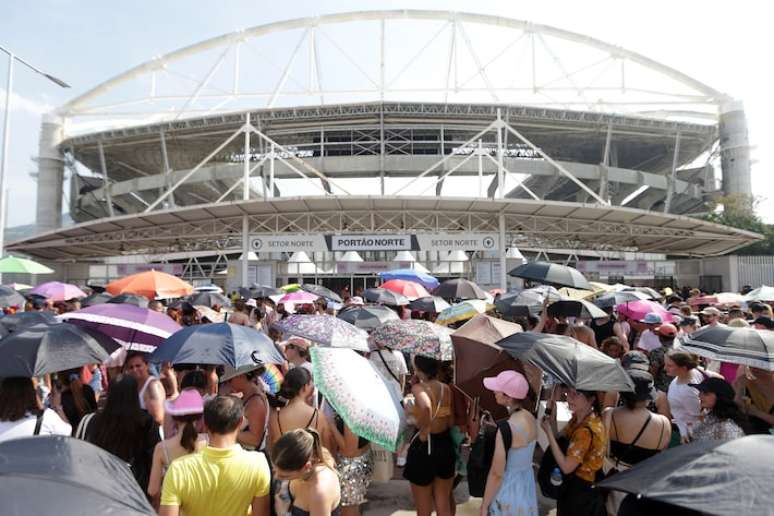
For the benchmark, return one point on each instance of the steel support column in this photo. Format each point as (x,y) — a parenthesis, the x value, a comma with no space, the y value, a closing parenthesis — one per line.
(105,179)
(503,262)
(245,261)
(671,180)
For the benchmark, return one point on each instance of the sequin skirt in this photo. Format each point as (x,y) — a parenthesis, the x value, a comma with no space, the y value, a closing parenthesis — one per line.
(355,476)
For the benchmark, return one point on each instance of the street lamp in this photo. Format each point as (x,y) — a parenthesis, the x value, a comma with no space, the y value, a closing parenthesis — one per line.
(6,127)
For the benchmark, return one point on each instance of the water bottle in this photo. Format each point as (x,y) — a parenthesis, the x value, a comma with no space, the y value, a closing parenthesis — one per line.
(556,477)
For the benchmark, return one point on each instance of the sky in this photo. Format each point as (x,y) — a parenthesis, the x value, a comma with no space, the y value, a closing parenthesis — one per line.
(85,42)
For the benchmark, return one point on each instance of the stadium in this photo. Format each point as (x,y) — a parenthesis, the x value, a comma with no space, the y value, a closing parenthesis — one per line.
(339,146)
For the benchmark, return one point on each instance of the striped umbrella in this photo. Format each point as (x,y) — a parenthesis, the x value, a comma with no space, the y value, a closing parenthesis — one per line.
(746,346)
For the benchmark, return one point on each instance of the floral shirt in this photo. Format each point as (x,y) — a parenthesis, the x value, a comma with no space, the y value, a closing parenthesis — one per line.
(713,428)
(588,445)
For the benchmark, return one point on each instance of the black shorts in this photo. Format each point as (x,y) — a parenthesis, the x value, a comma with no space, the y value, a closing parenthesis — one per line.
(422,468)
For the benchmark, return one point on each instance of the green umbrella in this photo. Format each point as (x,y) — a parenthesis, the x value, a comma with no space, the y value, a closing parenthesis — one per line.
(14,265)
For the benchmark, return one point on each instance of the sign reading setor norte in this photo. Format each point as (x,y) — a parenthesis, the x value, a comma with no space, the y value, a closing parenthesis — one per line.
(375,242)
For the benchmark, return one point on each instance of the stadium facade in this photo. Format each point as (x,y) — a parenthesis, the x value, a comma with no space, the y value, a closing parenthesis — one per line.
(338,146)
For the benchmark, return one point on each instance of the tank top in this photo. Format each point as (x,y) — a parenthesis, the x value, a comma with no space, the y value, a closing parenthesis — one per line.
(142,391)
(262,445)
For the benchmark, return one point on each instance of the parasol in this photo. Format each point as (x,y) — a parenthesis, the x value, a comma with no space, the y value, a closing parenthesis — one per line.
(414,336)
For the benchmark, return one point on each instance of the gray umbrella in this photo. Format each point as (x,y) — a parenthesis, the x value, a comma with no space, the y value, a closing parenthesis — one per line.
(526,302)
(612,299)
(96,299)
(573,363)
(129,299)
(9,297)
(551,274)
(319,290)
(21,320)
(747,346)
(385,297)
(67,476)
(209,299)
(459,288)
(432,304)
(368,317)
(576,308)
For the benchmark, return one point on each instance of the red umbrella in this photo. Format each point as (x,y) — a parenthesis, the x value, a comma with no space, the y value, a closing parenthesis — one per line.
(410,289)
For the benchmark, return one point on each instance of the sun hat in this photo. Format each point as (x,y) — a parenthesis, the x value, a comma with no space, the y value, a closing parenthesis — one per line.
(667,330)
(717,386)
(354,300)
(652,318)
(230,372)
(299,342)
(512,383)
(643,384)
(635,360)
(251,302)
(188,403)
(711,310)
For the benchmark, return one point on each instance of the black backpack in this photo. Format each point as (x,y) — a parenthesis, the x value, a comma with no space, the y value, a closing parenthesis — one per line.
(481,454)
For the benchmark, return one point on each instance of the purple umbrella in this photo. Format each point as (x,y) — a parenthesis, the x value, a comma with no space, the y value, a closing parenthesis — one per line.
(135,328)
(56,291)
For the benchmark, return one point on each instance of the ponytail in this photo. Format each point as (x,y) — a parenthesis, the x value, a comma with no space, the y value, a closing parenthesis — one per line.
(76,388)
(317,448)
(188,434)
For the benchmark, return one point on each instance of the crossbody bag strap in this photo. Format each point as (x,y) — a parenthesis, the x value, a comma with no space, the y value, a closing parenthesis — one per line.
(38,423)
(379,352)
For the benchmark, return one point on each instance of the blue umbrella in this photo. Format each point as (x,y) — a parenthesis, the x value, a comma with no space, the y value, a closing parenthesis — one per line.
(427,281)
(217,344)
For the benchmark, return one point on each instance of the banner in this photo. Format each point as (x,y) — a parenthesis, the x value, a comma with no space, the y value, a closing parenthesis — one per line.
(371,242)
(287,243)
(459,241)
(376,242)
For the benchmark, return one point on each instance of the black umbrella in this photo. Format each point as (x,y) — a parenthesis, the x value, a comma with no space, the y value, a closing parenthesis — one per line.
(129,299)
(321,291)
(526,302)
(571,362)
(218,344)
(20,320)
(433,304)
(612,299)
(385,297)
(9,297)
(209,299)
(48,348)
(459,288)
(713,477)
(368,317)
(258,291)
(68,477)
(576,308)
(551,274)
(96,299)
(747,346)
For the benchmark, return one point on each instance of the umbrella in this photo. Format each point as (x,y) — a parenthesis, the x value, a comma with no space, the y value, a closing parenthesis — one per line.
(299,297)
(462,311)
(526,302)
(747,346)
(576,308)
(21,320)
(477,356)
(414,336)
(257,291)
(66,476)
(19,286)
(720,299)
(320,291)
(218,344)
(571,362)
(96,299)
(433,304)
(129,299)
(48,348)
(637,310)
(385,297)
(612,299)
(649,292)
(459,288)
(410,289)
(290,287)
(134,327)
(712,477)
(209,298)
(210,314)
(359,394)
(56,291)
(368,317)
(551,274)
(151,284)
(208,288)
(762,293)
(325,330)
(9,297)
(14,265)
(426,280)
(574,293)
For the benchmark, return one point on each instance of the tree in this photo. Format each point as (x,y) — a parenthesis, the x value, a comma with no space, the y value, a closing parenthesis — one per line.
(744,219)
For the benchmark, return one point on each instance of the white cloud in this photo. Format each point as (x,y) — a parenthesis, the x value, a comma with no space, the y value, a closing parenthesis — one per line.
(20,103)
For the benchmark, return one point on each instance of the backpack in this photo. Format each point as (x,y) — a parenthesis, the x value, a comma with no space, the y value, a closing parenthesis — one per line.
(481,454)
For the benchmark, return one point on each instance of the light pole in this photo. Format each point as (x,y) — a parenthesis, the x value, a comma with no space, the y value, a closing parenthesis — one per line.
(6,131)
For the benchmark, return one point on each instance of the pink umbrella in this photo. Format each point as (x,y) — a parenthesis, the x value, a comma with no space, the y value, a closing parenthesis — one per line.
(637,310)
(298,297)
(723,298)
(56,291)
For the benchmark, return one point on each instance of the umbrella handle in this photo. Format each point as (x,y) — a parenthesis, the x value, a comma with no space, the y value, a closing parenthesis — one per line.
(255,359)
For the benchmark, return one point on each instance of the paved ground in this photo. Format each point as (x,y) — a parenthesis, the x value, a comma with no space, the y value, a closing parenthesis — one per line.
(394,499)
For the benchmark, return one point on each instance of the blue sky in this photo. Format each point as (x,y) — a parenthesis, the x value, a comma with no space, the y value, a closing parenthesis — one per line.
(86,42)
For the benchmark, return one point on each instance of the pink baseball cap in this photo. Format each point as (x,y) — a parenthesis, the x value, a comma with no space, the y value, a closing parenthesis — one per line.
(511,383)
(188,403)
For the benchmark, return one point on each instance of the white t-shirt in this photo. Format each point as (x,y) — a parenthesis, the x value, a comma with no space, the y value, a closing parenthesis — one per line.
(395,362)
(52,424)
(649,341)
(684,403)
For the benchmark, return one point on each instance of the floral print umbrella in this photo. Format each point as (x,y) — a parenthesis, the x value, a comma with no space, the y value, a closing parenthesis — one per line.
(325,330)
(359,394)
(414,336)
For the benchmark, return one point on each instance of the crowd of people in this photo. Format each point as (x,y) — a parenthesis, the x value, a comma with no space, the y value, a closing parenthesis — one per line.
(203,440)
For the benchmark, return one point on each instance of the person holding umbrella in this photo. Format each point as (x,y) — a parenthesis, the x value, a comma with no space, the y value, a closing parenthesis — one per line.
(722,418)
(244,380)
(21,414)
(584,457)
